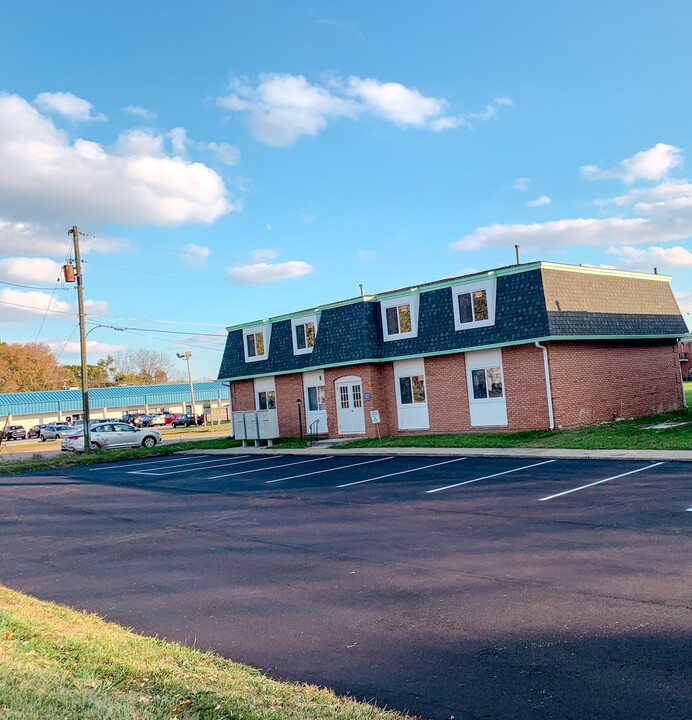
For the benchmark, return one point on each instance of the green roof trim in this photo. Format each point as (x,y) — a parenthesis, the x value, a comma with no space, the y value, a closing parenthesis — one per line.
(456,351)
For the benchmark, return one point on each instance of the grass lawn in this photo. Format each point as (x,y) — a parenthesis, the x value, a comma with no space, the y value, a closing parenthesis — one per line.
(56,663)
(623,434)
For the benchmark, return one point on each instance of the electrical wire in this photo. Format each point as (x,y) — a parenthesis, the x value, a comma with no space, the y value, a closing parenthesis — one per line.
(31,287)
(33,307)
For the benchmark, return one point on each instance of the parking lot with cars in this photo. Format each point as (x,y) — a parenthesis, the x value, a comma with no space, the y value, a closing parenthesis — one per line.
(446,586)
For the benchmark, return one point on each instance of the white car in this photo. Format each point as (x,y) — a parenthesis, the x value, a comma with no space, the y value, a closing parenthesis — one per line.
(111,435)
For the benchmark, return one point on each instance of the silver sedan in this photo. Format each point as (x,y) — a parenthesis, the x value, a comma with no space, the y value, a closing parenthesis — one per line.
(112,435)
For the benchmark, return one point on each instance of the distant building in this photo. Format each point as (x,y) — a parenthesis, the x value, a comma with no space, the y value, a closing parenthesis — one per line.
(530,346)
(34,408)
(685,356)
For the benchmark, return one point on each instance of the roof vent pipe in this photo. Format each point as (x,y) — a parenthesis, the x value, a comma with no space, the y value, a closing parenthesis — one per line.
(362,290)
(516,250)
(655,271)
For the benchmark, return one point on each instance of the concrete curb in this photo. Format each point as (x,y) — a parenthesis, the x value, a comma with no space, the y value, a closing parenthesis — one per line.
(556,453)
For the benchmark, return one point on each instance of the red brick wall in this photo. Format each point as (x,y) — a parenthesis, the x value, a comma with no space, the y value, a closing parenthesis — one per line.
(289,388)
(445,386)
(527,398)
(243,395)
(594,382)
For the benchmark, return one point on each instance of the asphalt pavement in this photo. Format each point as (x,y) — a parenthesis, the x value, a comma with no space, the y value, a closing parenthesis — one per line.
(445,584)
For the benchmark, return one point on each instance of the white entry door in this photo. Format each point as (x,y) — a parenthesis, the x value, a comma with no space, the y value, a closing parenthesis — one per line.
(349,405)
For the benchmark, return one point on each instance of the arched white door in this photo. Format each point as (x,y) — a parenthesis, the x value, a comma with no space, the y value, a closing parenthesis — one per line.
(349,405)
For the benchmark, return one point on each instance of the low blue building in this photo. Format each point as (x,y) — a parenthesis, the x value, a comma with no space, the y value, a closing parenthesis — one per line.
(33,408)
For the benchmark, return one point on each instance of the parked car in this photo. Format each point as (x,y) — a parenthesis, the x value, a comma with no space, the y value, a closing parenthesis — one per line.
(170,417)
(13,432)
(54,431)
(133,418)
(154,419)
(34,431)
(186,420)
(111,435)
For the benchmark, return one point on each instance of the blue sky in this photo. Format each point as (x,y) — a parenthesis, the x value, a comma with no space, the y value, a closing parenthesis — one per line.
(233,161)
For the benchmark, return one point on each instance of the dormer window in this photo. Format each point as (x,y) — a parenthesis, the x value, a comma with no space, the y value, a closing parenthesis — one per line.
(474,305)
(256,343)
(304,334)
(400,318)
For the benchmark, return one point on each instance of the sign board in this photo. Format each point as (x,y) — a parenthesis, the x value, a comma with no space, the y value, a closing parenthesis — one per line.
(367,396)
(375,417)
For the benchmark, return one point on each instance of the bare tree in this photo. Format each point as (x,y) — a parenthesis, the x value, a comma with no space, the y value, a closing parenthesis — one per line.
(142,367)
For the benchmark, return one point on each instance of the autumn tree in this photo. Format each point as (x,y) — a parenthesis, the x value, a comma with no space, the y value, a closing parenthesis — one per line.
(142,367)
(29,366)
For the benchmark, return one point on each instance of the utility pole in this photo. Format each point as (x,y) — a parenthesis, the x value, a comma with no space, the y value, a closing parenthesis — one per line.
(82,337)
(186,356)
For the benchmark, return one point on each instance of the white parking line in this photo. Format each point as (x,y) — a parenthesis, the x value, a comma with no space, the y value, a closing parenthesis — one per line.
(401,472)
(300,462)
(193,468)
(114,464)
(487,477)
(321,472)
(183,462)
(598,482)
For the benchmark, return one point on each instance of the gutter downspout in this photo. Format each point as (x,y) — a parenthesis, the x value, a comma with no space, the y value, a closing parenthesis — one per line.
(548,389)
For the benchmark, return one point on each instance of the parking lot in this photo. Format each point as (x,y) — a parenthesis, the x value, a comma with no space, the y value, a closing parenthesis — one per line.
(445,586)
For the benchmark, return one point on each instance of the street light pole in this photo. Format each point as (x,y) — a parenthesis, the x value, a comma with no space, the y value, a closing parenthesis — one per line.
(186,356)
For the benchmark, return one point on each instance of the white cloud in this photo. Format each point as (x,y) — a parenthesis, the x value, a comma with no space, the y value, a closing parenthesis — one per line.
(45,175)
(281,108)
(521,183)
(68,105)
(284,107)
(367,255)
(652,164)
(225,152)
(140,111)
(651,215)
(194,254)
(179,141)
(539,201)
(29,239)
(25,269)
(94,348)
(491,112)
(396,102)
(19,306)
(263,254)
(649,258)
(257,273)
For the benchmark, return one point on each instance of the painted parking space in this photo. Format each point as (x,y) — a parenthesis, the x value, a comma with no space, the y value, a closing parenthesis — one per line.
(346,571)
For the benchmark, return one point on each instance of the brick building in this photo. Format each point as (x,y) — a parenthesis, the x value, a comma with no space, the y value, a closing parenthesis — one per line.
(532,346)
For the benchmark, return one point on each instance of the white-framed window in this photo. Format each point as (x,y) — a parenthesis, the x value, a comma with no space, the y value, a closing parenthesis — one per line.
(265,393)
(411,390)
(256,342)
(400,317)
(474,305)
(486,383)
(304,332)
(315,398)
(266,400)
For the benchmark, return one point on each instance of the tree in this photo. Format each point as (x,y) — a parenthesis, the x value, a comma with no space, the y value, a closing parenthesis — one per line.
(142,367)
(99,375)
(29,366)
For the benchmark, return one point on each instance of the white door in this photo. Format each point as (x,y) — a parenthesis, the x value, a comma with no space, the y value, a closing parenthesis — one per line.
(315,408)
(349,406)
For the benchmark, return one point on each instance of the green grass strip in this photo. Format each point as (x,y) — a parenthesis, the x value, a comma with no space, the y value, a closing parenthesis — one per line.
(60,664)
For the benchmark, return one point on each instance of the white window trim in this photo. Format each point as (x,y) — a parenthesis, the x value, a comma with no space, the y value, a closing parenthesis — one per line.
(490,287)
(485,368)
(398,391)
(267,330)
(412,301)
(295,322)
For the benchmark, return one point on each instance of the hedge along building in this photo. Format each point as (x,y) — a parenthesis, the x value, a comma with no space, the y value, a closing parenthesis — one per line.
(532,346)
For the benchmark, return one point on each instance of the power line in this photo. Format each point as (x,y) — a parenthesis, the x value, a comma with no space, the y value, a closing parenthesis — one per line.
(33,307)
(32,287)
